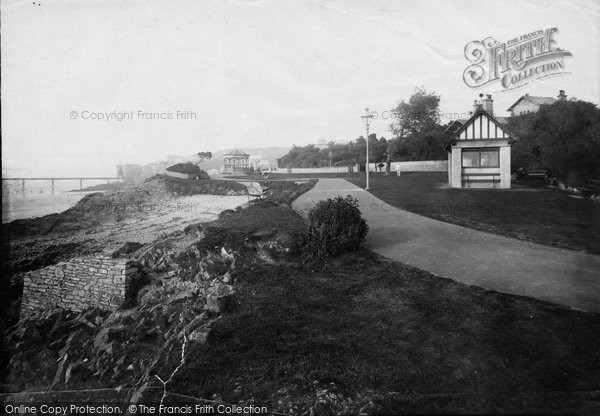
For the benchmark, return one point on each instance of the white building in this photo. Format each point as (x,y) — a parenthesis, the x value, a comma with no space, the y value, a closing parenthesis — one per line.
(531,104)
(479,151)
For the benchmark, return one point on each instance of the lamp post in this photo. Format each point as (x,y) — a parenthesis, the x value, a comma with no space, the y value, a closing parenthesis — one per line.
(367,119)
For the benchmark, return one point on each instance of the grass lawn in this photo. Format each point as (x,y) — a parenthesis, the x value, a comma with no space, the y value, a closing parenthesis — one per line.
(363,332)
(535,213)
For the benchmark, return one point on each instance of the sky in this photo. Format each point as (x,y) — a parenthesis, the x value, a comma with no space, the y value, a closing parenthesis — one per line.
(249,73)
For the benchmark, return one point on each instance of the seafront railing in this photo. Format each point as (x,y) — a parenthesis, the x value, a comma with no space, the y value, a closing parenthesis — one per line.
(53,180)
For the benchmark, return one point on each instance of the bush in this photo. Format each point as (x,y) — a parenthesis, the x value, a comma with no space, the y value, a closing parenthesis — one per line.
(335,226)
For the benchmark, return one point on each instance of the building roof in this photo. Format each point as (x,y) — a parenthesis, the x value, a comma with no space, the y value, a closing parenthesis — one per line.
(236,152)
(474,117)
(534,100)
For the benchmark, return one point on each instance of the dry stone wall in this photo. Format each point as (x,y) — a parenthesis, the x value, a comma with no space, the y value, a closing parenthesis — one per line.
(97,280)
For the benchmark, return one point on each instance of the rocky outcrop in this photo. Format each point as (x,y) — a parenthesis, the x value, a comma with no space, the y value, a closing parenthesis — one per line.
(133,348)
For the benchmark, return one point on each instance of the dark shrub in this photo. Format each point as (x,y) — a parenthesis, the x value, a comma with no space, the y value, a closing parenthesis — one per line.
(188,168)
(228,213)
(335,226)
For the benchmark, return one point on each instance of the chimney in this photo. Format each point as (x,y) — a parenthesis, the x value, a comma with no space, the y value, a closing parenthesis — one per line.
(488,104)
(476,106)
(562,95)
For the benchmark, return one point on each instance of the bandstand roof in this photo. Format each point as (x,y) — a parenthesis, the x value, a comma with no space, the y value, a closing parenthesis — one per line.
(236,153)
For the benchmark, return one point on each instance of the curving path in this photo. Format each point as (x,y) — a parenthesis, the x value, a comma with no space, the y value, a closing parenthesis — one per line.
(469,256)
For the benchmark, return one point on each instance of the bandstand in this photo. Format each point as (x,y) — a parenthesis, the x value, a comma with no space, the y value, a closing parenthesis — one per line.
(236,161)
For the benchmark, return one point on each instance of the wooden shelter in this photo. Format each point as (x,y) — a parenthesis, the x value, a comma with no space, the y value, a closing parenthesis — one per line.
(479,153)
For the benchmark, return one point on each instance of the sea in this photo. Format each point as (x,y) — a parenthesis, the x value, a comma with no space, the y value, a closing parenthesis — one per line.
(38,199)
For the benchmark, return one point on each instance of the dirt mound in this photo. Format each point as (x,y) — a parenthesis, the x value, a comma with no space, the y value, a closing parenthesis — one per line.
(186,187)
(188,168)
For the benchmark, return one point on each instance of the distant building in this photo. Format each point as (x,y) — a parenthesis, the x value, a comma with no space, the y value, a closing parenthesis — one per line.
(132,171)
(236,161)
(530,104)
(258,163)
(154,168)
(479,150)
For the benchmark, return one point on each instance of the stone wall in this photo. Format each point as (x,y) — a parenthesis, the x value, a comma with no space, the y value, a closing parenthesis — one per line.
(97,280)
(333,169)
(410,166)
(416,166)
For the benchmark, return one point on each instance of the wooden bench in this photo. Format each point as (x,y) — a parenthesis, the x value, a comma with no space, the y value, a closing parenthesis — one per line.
(493,178)
(537,174)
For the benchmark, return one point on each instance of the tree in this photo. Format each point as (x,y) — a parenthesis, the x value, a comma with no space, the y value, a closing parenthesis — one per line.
(343,154)
(525,152)
(415,117)
(377,148)
(308,156)
(428,145)
(204,156)
(563,138)
(568,134)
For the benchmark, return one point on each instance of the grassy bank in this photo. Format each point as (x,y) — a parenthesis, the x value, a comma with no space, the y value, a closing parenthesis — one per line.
(361,332)
(527,211)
